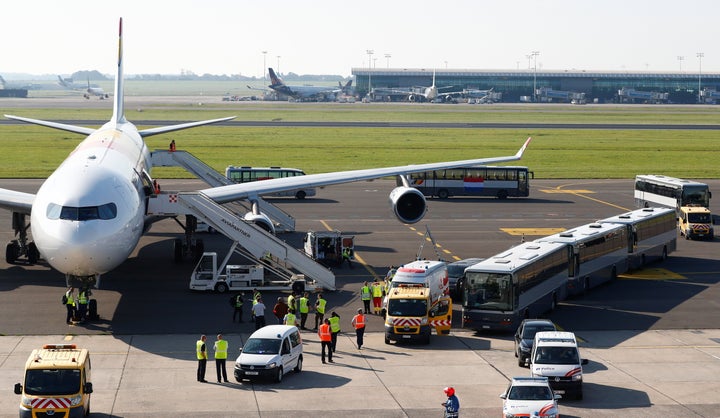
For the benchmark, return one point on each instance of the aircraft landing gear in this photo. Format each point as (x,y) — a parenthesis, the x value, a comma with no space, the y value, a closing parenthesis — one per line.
(20,247)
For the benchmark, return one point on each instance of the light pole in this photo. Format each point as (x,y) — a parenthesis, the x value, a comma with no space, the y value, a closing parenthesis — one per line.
(264,66)
(446,65)
(535,54)
(387,58)
(370,52)
(278,67)
(700,56)
(529,57)
(680,60)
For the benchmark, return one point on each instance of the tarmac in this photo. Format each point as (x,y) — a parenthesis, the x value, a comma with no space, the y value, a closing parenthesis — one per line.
(651,373)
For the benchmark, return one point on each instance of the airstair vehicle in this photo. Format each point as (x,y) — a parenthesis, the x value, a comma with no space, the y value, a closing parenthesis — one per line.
(249,240)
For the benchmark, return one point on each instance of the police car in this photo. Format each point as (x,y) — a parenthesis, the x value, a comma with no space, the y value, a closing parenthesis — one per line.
(530,397)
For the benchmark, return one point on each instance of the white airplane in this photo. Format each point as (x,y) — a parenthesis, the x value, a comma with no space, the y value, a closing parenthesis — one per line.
(419,94)
(89,90)
(306,92)
(89,215)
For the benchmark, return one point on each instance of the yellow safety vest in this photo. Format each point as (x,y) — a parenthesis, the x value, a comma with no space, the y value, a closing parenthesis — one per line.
(70,300)
(290,319)
(334,323)
(238,301)
(365,293)
(321,306)
(82,299)
(304,305)
(201,355)
(377,290)
(221,347)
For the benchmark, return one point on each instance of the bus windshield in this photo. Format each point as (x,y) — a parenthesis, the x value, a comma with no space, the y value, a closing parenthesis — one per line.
(492,291)
(696,196)
(40,382)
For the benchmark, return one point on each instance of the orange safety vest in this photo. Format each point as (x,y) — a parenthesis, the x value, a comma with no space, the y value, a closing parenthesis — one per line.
(359,321)
(324,332)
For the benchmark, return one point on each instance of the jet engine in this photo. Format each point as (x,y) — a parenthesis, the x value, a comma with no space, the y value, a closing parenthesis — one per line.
(412,98)
(408,204)
(261,220)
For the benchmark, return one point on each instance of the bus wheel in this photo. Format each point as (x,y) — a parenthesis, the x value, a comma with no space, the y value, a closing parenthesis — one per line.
(502,194)
(443,194)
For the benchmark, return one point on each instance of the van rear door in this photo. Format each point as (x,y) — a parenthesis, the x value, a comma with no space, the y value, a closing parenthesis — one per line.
(441,316)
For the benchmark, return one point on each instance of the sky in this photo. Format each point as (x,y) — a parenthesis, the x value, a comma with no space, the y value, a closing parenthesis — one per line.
(334,36)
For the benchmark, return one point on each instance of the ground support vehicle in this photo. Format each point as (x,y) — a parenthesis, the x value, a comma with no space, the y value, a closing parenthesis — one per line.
(695,222)
(327,247)
(412,314)
(57,382)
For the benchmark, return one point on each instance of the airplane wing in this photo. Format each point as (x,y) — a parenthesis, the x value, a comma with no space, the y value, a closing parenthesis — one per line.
(56,125)
(16,201)
(224,194)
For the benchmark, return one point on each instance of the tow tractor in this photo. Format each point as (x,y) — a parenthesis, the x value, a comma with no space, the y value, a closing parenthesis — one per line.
(208,275)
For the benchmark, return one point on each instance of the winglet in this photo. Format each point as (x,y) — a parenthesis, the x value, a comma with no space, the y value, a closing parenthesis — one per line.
(522,149)
(119,105)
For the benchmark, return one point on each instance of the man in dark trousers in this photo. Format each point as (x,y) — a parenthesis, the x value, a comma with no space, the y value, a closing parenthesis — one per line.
(358,322)
(201,352)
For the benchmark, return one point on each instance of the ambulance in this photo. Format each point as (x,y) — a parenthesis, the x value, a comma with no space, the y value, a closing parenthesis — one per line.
(57,382)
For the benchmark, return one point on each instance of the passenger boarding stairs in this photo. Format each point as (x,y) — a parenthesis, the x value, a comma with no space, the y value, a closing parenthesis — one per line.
(162,158)
(259,244)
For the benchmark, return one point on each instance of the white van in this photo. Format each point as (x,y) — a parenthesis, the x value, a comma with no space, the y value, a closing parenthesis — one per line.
(270,352)
(555,355)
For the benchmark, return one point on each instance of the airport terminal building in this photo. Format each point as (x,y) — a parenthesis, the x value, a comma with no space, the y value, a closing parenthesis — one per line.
(551,85)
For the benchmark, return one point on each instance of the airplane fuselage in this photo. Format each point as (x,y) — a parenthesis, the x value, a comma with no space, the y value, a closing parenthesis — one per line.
(88,216)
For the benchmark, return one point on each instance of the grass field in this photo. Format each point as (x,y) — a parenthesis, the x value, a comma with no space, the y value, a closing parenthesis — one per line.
(33,152)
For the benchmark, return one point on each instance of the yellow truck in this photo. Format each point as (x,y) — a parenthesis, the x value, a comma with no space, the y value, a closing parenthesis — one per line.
(695,222)
(57,382)
(412,313)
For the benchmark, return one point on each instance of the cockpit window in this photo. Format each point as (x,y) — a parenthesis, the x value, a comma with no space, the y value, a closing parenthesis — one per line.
(83,213)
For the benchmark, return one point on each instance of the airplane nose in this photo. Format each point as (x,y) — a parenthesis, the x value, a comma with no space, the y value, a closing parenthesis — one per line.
(80,249)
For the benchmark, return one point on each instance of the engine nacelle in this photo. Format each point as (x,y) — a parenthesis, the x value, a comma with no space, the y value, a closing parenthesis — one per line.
(261,220)
(412,98)
(408,204)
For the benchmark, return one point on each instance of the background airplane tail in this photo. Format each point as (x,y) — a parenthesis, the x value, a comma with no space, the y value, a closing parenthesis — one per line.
(274,79)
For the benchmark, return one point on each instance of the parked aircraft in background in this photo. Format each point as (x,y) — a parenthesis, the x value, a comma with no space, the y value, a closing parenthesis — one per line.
(89,90)
(89,215)
(319,93)
(418,94)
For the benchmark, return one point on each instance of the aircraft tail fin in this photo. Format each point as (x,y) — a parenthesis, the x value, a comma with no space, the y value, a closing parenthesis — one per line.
(119,104)
(274,79)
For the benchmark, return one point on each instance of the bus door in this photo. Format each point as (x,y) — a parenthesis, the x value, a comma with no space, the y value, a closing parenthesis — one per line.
(441,316)
(522,183)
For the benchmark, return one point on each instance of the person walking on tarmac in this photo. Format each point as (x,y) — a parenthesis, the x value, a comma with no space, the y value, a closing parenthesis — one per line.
(221,348)
(319,310)
(365,295)
(237,303)
(69,301)
(201,352)
(280,310)
(304,309)
(326,340)
(358,322)
(452,405)
(334,328)
(258,311)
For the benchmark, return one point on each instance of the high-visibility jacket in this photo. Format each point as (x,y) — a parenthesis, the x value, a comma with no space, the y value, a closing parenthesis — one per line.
(324,332)
(221,347)
(290,319)
(334,323)
(377,290)
(255,298)
(320,306)
(304,305)
(291,302)
(238,301)
(365,293)
(70,299)
(201,354)
(359,321)
(82,298)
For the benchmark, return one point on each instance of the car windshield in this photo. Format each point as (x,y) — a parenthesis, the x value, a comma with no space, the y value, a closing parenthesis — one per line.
(262,346)
(407,307)
(530,393)
(557,355)
(52,382)
(530,330)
